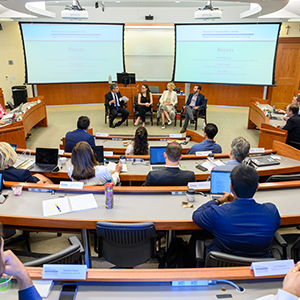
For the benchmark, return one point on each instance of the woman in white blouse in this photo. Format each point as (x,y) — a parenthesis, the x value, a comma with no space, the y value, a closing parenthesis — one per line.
(85,167)
(167,103)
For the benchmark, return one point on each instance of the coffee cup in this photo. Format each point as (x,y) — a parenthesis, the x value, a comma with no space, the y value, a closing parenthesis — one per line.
(190,195)
(122,159)
(188,138)
(17,189)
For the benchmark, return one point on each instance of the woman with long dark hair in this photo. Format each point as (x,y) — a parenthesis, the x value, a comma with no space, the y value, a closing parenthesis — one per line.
(144,104)
(140,145)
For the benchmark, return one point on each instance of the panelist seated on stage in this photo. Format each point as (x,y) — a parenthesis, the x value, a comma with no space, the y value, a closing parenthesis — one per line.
(145,102)
(8,158)
(242,226)
(210,131)
(140,145)
(116,105)
(85,167)
(11,265)
(239,150)
(290,288)
(80,134)
(195,101)
(171,174)
(292,126)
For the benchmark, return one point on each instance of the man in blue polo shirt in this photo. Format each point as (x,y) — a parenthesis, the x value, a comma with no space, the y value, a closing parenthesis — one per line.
(208,144)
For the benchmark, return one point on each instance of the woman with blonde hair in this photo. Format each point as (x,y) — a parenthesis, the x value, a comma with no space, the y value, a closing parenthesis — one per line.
(140,146)
(167,103)
(85,167)
(8,158)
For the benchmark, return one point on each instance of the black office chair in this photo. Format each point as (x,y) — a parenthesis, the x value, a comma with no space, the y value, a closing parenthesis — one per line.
(10,239)
(136,113)
(278,178)
(126,244)
(107,115)
(201,113)
(175,120)
(70,255)
(216,259)
(292,251)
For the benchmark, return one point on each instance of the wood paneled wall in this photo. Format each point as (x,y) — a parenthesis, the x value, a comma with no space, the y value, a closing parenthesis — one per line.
(287,74)
(2,98)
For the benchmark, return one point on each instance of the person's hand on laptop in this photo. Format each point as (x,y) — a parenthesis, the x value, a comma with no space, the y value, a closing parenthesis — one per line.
(227,197)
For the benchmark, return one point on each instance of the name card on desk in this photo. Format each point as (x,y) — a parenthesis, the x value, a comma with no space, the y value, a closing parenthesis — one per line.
(102,134)
(71,185)
(61,152)
(108,153)
(272,268)
(257,150)
(175,135)
(203,153)
(76,272)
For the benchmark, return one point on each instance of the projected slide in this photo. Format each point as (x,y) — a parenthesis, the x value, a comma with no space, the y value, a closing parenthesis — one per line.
(62,53)
(226,53)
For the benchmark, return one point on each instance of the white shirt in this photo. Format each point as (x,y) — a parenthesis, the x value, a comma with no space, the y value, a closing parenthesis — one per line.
(281,295)
(101,176)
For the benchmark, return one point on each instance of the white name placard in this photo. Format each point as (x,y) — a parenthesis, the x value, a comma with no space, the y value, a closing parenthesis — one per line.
(71,185)
(108,153)
(64,272)
(257,150)
(203,153)
(175,135)
(270,268)
(102,134)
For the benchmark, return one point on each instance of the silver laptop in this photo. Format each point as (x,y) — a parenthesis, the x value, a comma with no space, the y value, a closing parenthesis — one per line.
(220,183)
(157,159)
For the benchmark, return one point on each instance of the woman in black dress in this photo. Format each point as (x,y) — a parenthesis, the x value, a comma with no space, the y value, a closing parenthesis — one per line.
(144,104)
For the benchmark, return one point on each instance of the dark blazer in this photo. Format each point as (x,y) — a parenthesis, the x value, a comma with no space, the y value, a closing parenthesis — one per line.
(20,175)
(169,177)
(78,135)
(242,227)
(293,127)
(199,102)
(109,97)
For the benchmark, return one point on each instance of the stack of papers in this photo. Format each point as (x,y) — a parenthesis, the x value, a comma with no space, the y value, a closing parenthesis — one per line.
(210,165)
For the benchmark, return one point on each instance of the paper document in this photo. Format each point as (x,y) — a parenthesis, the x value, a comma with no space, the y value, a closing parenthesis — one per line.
(65,205)
(210,165)
(112,167)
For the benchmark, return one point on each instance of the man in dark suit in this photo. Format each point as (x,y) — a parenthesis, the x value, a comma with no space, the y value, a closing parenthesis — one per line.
(115,104)
(171,175)
(242,226)
(196,100)
(292,126)
(79,135)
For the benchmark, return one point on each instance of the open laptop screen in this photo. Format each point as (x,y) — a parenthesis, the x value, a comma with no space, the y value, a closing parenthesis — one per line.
(157,155)
(98,151)
(14,146)
(220,182)
(47,156)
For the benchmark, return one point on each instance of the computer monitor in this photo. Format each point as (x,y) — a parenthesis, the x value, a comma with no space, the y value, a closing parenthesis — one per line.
(99,154)
(126,78)
(220,182)
(14,146)
(157,155)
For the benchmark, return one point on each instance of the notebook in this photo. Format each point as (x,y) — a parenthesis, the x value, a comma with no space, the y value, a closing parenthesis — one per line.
(157,159)
(99,154)
(46,160)
(220,183)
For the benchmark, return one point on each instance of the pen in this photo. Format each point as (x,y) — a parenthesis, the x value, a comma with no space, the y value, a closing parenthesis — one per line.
(58,208)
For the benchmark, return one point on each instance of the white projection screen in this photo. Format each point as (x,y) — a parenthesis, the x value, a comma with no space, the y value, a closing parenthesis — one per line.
(72,52)
(226,53)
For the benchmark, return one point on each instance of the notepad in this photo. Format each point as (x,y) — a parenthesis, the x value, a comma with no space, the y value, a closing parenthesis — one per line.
(65,205)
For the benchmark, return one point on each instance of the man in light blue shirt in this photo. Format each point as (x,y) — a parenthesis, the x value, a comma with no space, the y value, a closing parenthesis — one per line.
(210,131)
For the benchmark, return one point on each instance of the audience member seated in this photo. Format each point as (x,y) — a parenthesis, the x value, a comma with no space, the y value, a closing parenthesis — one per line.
(85,167)
(291,286)
(296,100)
(140,145)
(171,174)
(239,150)
(195,101)
(116,105)
(167,103)
(145,101)
(242,227)
(80,134)
(210,131)
(11,265)
(292,126)
(8,158)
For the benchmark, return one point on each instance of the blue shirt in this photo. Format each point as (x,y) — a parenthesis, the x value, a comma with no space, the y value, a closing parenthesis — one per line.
(29,293)
(206,145)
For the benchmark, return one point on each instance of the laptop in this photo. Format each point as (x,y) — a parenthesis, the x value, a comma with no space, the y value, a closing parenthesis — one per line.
(14,146)
(157,159)
(98,151)
(264,161)
(46,160)
(220,183)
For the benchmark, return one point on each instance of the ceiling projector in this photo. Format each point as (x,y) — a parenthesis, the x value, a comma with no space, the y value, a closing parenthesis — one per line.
(74,11)
(208,12)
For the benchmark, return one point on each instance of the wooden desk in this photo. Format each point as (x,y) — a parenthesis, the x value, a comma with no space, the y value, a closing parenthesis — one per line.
(16,132)
(268,130)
